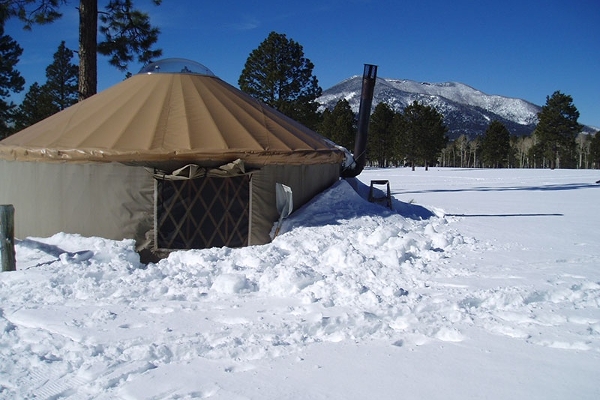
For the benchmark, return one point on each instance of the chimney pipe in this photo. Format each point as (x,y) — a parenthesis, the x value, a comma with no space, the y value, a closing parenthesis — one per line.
(364,115)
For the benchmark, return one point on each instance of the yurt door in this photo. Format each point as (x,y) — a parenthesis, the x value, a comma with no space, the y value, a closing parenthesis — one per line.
(201,213)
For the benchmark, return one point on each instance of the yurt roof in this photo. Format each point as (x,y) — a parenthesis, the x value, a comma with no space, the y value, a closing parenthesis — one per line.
(160,115)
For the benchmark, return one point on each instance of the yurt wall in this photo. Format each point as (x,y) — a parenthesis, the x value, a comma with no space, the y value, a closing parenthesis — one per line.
(116,201)
(306,181)
(109,200)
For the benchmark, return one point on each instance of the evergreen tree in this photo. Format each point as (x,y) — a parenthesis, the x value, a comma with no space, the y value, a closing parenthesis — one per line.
(278,74)
(424,127)
(61,84)
(10,79)
(401,148)
(33,11)
(88,48)
(534,153)
(595,150)
(557,129)
(127,33)
(339,125)
(58,93)
(327,126)
(36,106)
(381,138)
(496,145)
(408,138)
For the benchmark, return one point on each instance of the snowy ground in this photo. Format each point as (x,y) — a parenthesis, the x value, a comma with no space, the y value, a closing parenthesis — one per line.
(481,284)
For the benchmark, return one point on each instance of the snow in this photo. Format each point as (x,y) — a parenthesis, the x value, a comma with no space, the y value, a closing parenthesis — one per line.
(480,284)
(443,96)
(517,110)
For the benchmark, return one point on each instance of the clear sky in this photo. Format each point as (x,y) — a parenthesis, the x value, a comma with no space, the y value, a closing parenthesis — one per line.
(526,49)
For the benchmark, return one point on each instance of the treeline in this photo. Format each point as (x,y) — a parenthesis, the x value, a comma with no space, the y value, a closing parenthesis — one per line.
(556,142)
(413,137)
(416,137)
(523,152)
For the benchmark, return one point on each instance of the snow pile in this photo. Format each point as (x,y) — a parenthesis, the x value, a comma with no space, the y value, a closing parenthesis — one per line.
(83,318)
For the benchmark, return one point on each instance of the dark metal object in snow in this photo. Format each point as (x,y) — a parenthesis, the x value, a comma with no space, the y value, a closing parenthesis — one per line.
(387,199)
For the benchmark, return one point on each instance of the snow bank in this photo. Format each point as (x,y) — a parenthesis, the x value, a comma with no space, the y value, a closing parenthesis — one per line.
(83,318)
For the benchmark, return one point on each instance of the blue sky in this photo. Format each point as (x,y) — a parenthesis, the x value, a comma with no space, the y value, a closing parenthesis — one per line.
(526,49)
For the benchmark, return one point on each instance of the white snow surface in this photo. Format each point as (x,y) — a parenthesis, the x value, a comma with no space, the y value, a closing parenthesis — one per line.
(480,284)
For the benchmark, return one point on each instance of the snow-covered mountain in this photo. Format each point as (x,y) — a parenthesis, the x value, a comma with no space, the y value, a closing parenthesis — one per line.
(466,110)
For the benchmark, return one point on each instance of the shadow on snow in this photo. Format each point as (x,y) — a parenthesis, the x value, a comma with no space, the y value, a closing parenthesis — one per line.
(571,186)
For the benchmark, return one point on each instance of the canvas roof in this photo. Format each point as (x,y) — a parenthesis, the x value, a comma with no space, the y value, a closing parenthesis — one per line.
(170,117)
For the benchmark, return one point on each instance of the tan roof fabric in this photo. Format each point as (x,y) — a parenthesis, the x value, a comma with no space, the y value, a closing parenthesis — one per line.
(188,118)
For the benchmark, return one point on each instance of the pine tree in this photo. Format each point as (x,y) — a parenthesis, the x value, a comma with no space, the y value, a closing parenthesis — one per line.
(496,145)
(278,74)
(58,93)
(88,48)
(425,132)
(557,129)
(339,125)
(33,11)
(381,139)
(61,84)
(595,150)
(400,148)
(36,106)
(10,79)
(408,140)
(127,33)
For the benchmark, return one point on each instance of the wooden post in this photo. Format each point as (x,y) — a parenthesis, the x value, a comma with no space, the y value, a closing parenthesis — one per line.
(7,237)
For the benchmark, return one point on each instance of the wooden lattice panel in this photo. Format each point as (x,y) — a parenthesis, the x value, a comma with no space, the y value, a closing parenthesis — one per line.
(202,213)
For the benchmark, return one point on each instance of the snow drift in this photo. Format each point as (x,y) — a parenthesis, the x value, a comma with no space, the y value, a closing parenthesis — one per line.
(463,291)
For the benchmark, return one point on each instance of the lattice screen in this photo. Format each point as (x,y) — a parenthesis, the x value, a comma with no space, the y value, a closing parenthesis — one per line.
(202,213)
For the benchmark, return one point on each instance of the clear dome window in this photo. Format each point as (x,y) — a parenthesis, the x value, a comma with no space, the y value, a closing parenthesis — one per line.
(176,66)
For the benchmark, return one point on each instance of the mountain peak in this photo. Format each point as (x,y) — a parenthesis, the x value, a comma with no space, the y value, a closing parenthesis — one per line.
(466,110)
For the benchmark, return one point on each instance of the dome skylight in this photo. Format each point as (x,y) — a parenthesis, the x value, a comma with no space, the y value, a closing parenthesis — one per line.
(176,65)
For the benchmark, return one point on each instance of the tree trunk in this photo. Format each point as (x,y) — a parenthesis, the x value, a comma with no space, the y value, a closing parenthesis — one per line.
(88,45)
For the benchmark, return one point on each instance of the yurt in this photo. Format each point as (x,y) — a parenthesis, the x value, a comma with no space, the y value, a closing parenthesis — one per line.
(173,157)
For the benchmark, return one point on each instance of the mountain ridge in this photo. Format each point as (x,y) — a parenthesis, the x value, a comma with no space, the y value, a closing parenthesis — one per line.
(466,110)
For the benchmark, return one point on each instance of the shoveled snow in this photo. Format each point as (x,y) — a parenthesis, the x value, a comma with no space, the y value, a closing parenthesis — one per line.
(480,284)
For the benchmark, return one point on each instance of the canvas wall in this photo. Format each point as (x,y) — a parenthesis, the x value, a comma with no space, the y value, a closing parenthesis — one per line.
(306,181)
(116,201)
(109,200)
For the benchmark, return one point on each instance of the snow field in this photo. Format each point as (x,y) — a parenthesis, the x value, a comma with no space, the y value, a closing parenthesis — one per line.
(345,278)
